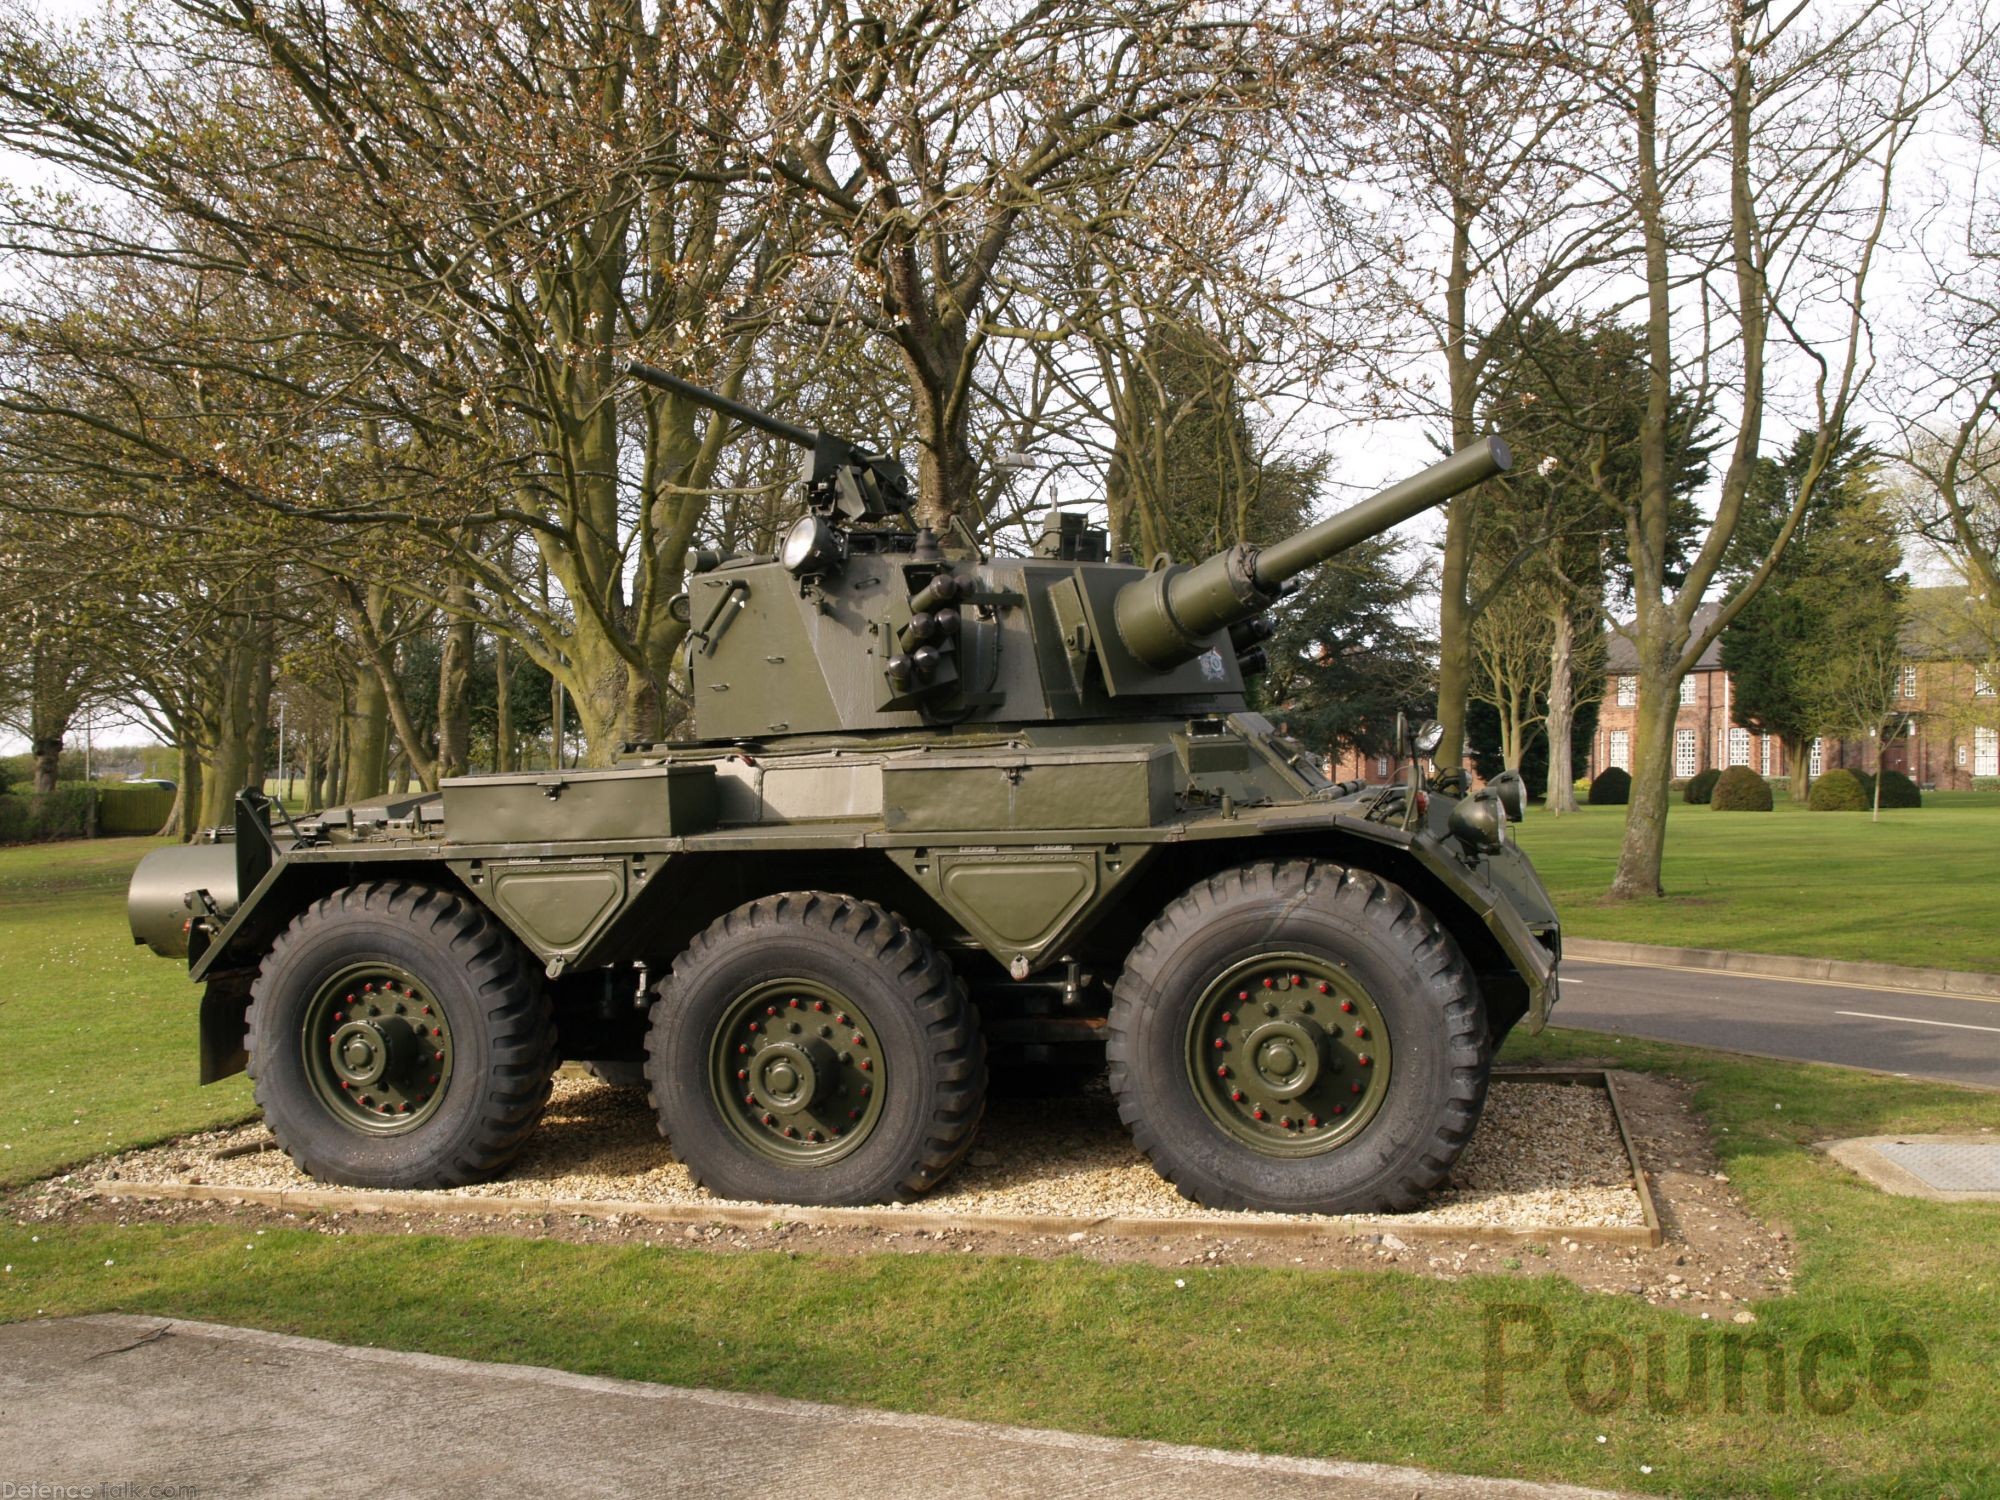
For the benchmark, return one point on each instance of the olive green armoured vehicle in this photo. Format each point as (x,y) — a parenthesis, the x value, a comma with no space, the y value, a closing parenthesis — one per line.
(940,807)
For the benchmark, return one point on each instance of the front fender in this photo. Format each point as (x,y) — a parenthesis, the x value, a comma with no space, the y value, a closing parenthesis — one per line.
(1505,901)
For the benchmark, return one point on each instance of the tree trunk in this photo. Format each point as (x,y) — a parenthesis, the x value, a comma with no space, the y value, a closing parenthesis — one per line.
(367,740)
(1455,621)
(189,805)
(1798,769)
(454,676)
(503,707)
(1645,842)
(47,750)
(228,770)
(1561,796)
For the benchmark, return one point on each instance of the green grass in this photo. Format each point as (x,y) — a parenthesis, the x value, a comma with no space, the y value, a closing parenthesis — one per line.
(1377,1365)
(98,1035)
(1919,887)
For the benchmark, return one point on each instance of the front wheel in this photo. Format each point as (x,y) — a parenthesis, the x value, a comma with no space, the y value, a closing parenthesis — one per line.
(812,1048)
(399,1038)
(1299,1038)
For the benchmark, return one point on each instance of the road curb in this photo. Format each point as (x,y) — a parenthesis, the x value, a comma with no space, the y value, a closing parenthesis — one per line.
(1785,966)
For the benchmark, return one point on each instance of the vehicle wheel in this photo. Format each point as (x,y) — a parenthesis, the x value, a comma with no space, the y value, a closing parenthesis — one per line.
(399,1038)
(811,1048)
(618,1074)
(1301,1038)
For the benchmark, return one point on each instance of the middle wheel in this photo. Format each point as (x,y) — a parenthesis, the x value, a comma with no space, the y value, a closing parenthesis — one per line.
(812,1048)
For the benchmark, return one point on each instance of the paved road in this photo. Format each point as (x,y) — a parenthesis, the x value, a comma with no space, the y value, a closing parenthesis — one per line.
(1946,1037)
(160,1406)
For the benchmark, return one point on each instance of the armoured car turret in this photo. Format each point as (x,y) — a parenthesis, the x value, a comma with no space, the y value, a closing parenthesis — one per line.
(938,804)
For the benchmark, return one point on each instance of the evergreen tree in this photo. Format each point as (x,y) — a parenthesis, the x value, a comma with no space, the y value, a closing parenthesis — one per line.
(1828,610)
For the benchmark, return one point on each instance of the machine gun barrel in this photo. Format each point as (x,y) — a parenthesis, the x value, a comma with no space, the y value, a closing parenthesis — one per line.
(715,401)
(1170,616)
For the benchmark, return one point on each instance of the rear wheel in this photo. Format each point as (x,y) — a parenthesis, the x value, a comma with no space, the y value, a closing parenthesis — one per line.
(1299,1037)
(812,1048)
(399,1038)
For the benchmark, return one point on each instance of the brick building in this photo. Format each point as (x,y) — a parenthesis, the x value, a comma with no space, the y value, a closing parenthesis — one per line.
(1941,699)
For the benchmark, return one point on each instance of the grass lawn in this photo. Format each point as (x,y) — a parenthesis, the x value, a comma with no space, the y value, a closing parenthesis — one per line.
(1920,887)
(1380,1366)
(98,1035)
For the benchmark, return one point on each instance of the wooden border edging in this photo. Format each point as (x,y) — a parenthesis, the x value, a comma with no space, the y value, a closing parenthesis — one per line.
(898,1220)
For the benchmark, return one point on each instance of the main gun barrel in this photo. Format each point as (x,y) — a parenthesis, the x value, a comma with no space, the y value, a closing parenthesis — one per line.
(1170,616)
(715,401)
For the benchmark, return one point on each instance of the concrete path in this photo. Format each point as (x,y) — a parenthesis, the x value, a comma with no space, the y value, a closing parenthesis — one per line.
(156,1404)
(1946,1037)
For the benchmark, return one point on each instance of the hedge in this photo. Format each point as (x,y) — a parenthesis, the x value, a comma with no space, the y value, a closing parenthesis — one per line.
(1838,791)
(65,813)
(1899,791)
(1612,788)
(1740,789)
(40,817)
(1700,787)
(132,809)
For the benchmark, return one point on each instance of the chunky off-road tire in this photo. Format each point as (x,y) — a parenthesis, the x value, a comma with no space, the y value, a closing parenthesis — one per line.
(813,1048)
(399,1037)
(617,1074)
(1299,1037)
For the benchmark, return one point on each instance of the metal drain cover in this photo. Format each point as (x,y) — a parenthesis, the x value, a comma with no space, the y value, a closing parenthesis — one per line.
(1949,1168)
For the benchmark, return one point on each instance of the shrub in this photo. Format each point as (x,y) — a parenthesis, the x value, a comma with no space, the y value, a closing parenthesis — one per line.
(1838,791)
(1740,789)
(1612,788)
(40,817)
(1899,791)
(1701,786)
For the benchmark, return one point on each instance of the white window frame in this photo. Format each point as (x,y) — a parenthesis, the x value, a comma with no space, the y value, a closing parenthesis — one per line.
(1687,690)
(1986,752)
(1687,753)
(1628,690)
(1764,743)
(1909,684)
(1816,758)
(1982,683)
(1619,751)
(1739,746)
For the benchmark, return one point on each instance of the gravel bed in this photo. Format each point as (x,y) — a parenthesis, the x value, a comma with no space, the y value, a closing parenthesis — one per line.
(1545,1156)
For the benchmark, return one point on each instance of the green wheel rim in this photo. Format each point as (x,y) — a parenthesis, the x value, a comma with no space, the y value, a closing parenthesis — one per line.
(1288,1054)
(797,1071)
(378,1048)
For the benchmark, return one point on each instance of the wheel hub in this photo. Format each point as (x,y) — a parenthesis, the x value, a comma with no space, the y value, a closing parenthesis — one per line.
(378,1049)
(798,1070)
(1288,1053)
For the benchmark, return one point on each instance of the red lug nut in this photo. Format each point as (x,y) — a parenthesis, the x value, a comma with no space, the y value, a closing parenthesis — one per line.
(867,1064)
(1296,980)
(1325,988)
(1286,1121)
(437,1057)
(1340,1109)
(819,1005)
(1223,1071)
(749,1098)
(434,1078)
(753,1025)
(1364,1059)
(437,1031)
(742,1047)
(1257,1113)
(1361,1031)
(1270,984)
(1236,1095)
(741,1074)
(770,1010)
(1220,1043)
(860,1040)
(1312,1121)
(1227,1017)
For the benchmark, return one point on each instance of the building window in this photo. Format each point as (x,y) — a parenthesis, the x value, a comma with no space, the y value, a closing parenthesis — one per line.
(1687,688)
(1684,752)
(1986,752)
(1621,749)
(1739,747)
(1909,683)
(1815,760)
(1381,765)
(1764,745)
(1628,691)
(1982,683)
